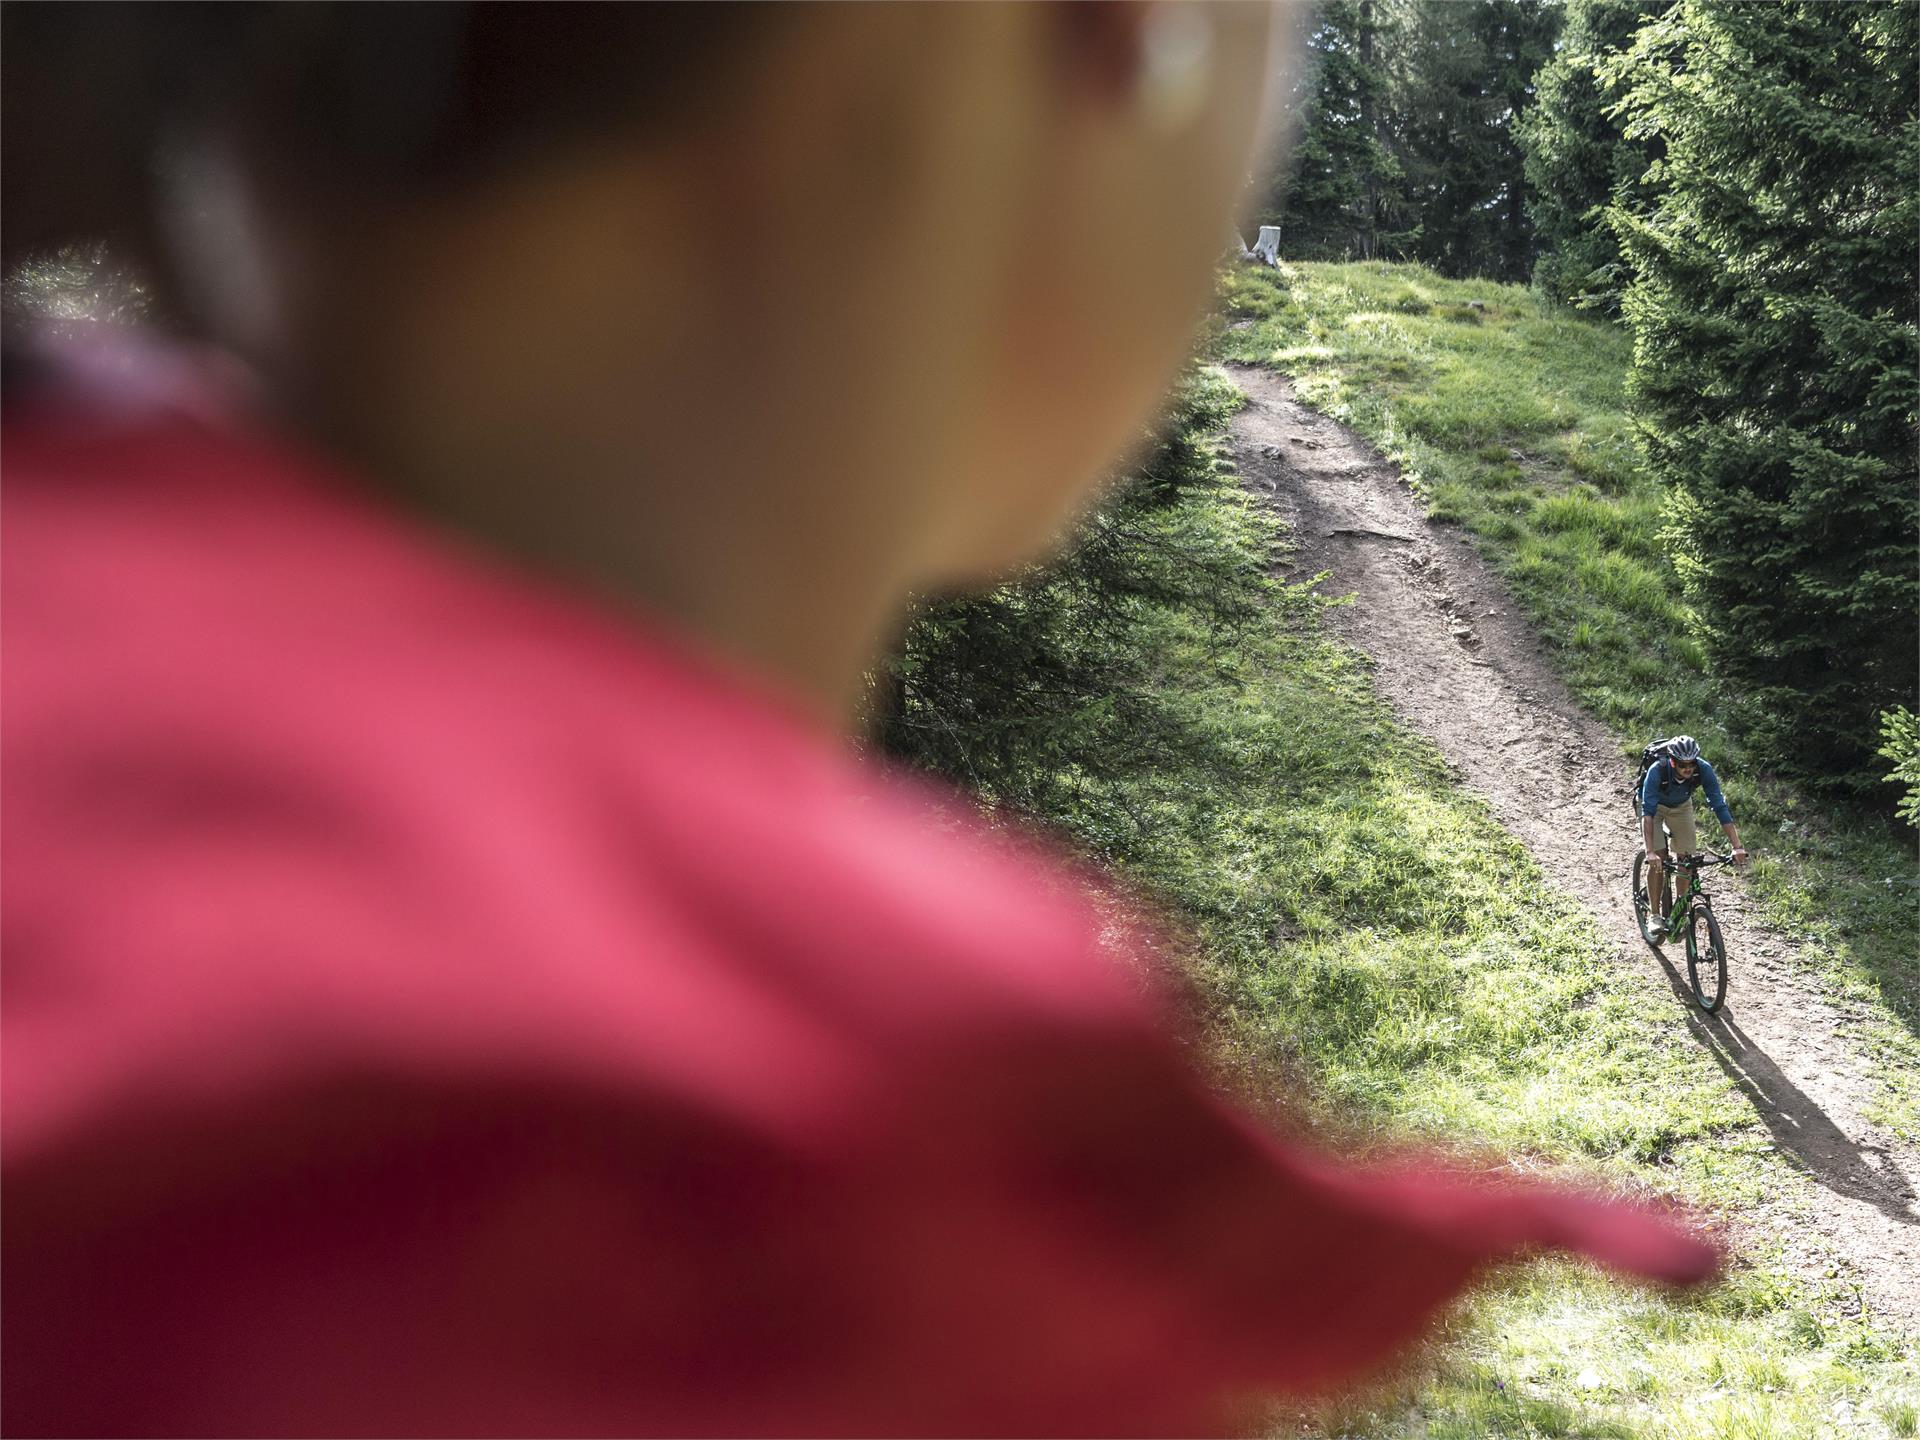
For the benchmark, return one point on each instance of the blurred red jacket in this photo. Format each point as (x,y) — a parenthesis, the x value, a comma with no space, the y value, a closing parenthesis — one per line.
(434,1006)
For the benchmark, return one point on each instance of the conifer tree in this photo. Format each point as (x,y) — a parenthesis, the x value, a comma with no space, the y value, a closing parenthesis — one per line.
(1578,161)
(1775,354)
(1343,175)
(1408,146)
(1462,75)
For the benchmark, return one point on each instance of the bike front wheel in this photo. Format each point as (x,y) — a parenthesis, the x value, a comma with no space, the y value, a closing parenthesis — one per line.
(1706,959)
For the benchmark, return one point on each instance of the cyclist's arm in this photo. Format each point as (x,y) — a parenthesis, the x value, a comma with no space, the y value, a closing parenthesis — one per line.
(1650,798)
(1732,832)
(1710,782)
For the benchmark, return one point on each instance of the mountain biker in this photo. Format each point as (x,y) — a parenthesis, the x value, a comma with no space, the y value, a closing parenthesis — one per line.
(1666,801)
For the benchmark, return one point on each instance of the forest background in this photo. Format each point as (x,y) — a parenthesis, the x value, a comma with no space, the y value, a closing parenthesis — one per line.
(1732,183)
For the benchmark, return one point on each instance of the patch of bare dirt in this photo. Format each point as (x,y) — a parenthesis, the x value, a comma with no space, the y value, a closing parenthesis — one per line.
(1460,665)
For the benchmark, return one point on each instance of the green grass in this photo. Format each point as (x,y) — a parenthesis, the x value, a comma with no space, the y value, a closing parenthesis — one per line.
(1563,1355)
(1357,920)
(1510,419)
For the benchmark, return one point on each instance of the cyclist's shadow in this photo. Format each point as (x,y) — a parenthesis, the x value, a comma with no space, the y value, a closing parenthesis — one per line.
(1800,1127)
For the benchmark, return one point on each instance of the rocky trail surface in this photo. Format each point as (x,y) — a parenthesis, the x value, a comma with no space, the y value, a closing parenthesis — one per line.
(1460,665)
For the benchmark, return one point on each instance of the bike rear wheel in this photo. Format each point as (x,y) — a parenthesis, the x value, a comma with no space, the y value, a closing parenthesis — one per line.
(1706,959)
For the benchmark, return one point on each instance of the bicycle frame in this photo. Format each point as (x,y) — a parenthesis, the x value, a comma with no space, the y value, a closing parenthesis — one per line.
(1683,903)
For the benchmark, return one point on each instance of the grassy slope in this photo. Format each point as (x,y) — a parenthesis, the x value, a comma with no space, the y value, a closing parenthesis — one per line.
(1354,922)
(1511,419)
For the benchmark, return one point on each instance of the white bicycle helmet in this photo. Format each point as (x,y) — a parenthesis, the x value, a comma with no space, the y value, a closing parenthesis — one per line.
(1682,747)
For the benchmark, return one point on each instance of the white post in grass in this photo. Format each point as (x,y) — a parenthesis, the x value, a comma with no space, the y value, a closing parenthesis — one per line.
(1267,247)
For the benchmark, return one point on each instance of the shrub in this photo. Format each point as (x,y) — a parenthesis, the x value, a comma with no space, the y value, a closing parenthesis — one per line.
(1900,743)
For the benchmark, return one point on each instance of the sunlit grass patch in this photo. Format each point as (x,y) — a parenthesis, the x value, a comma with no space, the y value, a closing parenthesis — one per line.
(1555,1352)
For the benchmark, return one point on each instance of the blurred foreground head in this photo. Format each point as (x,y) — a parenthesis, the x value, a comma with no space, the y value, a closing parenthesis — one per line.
(641,293)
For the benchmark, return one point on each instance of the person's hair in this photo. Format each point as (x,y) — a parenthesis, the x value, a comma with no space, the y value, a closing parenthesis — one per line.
(374,97)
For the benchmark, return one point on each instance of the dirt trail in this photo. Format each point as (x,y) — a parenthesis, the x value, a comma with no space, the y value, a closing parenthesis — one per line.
(1458,663)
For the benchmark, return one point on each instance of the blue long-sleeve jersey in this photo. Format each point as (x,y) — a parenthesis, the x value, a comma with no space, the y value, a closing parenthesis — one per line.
(1663,787)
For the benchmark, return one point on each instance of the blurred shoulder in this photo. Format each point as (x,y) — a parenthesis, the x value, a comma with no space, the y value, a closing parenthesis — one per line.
(360,791)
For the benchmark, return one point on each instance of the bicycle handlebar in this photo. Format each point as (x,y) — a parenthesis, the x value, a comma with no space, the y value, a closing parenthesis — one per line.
(1704,857)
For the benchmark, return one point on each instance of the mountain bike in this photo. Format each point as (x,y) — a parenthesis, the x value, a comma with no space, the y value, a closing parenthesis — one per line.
(1691,917)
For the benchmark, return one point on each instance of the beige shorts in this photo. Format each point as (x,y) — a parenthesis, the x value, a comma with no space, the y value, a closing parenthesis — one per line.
(1679,822)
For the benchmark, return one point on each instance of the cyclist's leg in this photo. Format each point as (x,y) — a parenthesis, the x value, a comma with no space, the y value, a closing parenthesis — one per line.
(1684,836)
(1658,876)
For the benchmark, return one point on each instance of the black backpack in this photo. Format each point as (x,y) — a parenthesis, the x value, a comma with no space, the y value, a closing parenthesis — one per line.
(1650,756)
